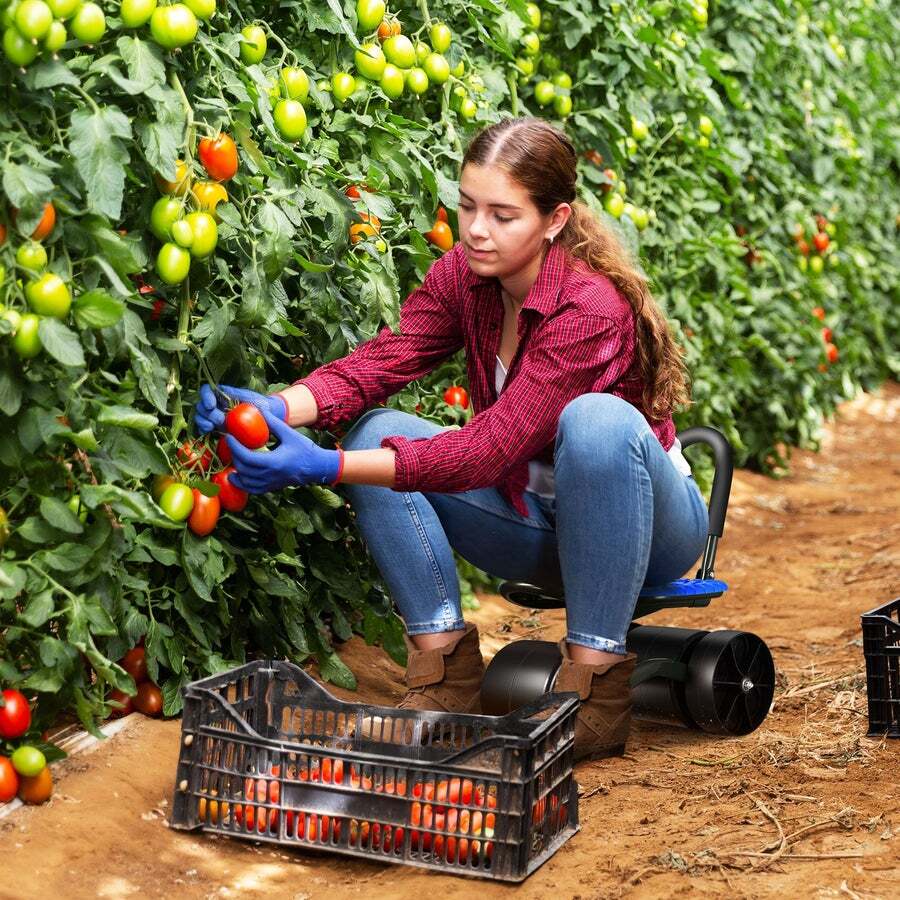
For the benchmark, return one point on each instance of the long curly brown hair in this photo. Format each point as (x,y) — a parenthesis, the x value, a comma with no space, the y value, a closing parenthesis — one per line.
(542,159)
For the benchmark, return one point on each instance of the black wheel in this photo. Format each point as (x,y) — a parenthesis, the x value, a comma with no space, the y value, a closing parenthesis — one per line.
(730,683)
(519,673)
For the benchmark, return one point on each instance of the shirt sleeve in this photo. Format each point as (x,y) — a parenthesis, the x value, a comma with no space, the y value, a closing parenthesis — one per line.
(570,355)
(429,332)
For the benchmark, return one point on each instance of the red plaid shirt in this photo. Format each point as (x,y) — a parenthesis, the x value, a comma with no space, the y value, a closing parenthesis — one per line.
(576,335)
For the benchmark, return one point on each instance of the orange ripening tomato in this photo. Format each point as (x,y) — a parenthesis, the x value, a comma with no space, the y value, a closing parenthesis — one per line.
(819,312)
(2,234)
(388,29)
(440,235)
(44,227)
(831,352)
(36,788)
(205,514)
(209,194)
(352,192)
(442,214)
(219,157)
(369,227)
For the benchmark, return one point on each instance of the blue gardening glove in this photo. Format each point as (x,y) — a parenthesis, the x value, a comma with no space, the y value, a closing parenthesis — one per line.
(209,413)
(295,461)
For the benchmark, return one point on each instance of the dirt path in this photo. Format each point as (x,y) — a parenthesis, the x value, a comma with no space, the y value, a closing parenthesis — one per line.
(681,814)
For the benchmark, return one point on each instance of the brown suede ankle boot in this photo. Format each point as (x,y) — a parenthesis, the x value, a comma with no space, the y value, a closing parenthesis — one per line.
(445,679)
(604,719)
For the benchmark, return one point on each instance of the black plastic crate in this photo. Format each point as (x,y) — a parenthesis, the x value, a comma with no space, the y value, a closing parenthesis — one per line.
(268,754)
(881,646)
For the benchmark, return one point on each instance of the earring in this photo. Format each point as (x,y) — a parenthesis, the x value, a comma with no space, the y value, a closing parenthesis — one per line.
(550,238)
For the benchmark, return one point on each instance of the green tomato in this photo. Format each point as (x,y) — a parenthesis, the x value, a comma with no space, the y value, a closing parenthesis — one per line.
(562,105)
(370,61)
(290,119)
(467,109)
(77,508)
(525,65)
(640,218)
(549,63)
(56,37)
(33,19)
(253,47)
(437,68)
(135,13)
(563,80)
(182,233)
(544,92)
(531,43)
(441,37)
(639,129)
(166,211)
(28,761)
(422,51)
(173,26)
(614,205)
(343,84)
(400,51)
(89,23)
(699,15)
(173,263)
(204,229)
(295,83)
(534,14)
(27,342)
(816,264)
(547,22)
(177,501)
(19,50)
(631,145)
(369,14)
(706,125)
(8,14)
(63,9)
(417,80)
(391,81)
(32,256)
(202,9)
(458,69)
(49,296)
(14,317)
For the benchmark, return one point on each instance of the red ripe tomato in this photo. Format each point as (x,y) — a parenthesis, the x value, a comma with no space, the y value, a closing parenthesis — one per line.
(831,352)
(15,714)
(134,662)
(826,335)
(821,240)
(456,396)
(9,780)
(127,702)
(219,157)
(231,498)
(352,192)
(803,247)
(246,424)
(190,458)
(149,699)
(205,514)
(819,313)
(223,451)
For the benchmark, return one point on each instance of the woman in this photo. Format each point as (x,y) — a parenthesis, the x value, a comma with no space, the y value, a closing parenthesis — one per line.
(568,476)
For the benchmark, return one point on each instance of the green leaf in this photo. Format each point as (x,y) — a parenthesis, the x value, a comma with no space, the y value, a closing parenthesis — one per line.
(46,681)
(60,342)
(126,417)
(10,392)
(52,73)
(161,137)
(128,504)
(66,557)
(38,609)
(143,61)
(96,142)
(125,253)
(28,189)
(97,309)
(60,516)
(334,670)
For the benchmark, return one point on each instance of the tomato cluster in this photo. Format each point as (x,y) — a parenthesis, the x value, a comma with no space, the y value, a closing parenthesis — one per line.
(201,506)
(148,699)
(825,247)
(42,27)
(46,293)
(831,350)
(24,771)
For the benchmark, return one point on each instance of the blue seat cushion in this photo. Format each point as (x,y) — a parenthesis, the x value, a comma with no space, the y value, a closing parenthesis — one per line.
(685,587)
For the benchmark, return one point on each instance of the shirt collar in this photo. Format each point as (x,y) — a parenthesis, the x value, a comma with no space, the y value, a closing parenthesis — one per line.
(544,293)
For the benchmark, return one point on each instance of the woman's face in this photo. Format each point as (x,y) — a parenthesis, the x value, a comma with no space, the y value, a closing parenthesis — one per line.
(497,216)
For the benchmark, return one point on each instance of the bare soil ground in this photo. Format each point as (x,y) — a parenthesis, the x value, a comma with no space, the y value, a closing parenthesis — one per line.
(806,806)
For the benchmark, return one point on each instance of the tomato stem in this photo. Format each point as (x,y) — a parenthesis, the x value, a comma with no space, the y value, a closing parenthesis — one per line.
(423,6)
(513,92)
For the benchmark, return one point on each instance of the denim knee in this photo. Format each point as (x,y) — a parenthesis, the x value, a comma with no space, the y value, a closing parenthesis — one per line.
(369,429)
(600,427)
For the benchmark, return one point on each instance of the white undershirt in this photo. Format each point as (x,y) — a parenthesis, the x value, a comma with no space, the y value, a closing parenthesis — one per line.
(540,480)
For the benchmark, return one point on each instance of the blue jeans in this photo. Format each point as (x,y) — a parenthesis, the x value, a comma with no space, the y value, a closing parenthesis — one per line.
(623,517)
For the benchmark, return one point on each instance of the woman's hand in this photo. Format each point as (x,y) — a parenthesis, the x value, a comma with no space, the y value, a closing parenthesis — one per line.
(295,461)
(209,413)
